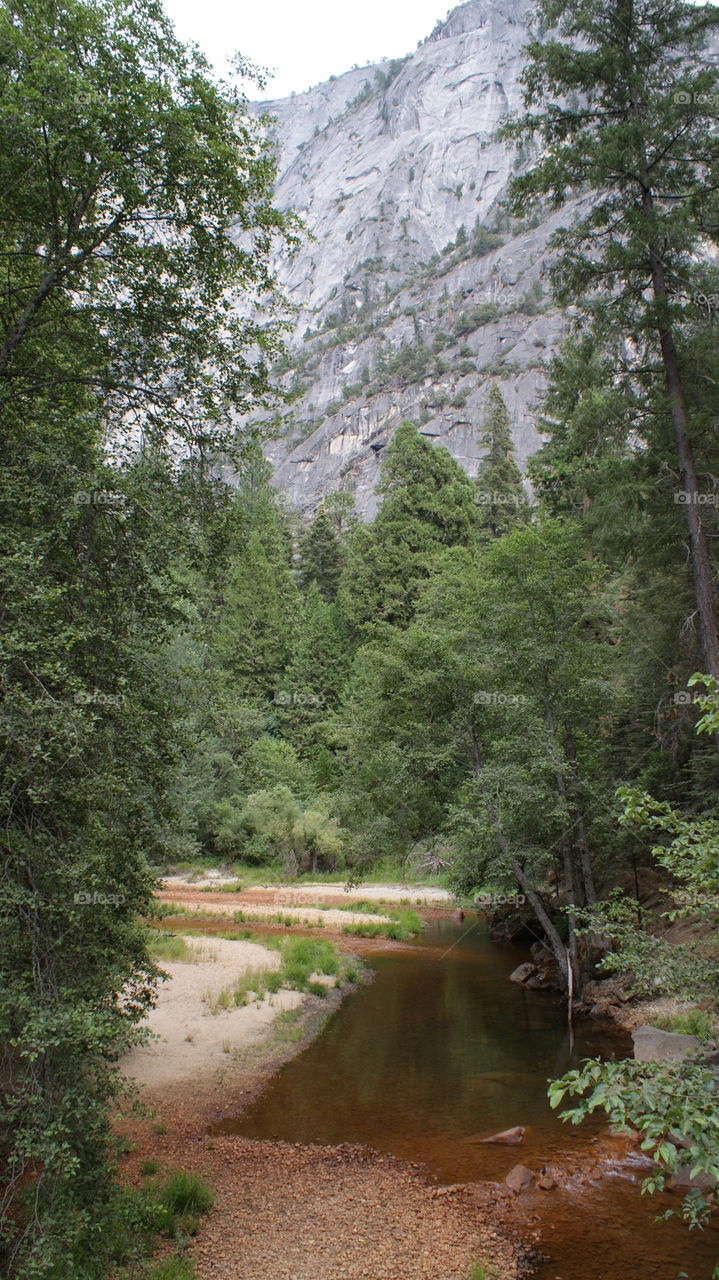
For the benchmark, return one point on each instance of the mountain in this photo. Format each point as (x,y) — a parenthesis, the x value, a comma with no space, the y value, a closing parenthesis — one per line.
(414,291)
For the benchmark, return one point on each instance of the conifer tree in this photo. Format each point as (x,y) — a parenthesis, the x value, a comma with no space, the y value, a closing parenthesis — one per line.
(321,556)
(620,96)
(500,496)
(428,505)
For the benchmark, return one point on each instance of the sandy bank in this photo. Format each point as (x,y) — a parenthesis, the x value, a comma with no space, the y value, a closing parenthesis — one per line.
(192,1042)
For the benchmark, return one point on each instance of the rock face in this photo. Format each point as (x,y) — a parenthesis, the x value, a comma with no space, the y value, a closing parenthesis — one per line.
(415,292)
(653,1045)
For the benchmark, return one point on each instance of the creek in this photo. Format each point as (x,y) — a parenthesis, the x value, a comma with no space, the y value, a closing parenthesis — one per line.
(440,1050)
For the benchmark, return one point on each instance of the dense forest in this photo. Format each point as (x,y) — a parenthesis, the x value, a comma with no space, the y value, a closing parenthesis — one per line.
(511,684)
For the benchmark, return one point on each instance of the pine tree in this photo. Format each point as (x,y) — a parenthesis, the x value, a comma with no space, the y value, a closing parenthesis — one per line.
(315,674)
(501,498)
(625,109)
(321,556)
(428,505)
(252,639)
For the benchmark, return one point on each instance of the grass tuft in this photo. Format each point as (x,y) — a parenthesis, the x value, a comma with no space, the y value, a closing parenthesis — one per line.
(184,1193)
(177,1267)
(691,1022)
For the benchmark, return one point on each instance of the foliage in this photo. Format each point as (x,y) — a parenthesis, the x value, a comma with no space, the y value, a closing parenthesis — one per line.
(673,1105)
(427,506)
(110,130)
(500,495)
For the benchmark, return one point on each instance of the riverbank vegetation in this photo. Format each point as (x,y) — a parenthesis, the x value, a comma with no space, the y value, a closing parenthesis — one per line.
(500,691)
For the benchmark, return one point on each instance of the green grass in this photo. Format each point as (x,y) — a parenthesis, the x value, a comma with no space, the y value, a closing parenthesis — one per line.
(165,946)
(403,925)
(178,1267)
(184,1193)
(693,1022)
(172,1207)
(161,909)
(275,917)
(287,1027)
(301,958)
(367,908)
(149,1167)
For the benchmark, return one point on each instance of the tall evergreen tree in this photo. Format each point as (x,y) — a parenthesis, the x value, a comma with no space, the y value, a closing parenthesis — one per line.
(625,109)
(312,682)
(321,556)
(501,498)
(121,167)
(427,505)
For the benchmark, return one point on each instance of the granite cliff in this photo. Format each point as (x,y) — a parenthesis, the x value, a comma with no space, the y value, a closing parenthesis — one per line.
(414,290)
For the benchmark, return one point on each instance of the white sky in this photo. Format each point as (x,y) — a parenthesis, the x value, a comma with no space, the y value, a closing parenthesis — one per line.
(306,40)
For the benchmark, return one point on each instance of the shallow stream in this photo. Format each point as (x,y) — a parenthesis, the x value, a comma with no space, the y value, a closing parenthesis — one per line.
(440,1050)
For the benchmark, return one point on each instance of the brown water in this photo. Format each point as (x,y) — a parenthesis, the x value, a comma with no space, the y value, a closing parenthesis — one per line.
(440,1049)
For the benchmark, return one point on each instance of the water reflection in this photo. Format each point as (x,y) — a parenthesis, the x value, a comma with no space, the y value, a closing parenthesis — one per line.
(440,1050)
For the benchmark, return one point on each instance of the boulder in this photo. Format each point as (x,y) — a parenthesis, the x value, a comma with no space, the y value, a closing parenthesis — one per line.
(508,1137)
(523,973)
(653,1045)
(519,1179)
(546,1180)
(682,1181)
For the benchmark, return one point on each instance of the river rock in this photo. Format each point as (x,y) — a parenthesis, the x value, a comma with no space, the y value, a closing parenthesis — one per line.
(508,1137)
(523,973)
(682,1181)
(653,1045)
(546,1180)
(519,1179)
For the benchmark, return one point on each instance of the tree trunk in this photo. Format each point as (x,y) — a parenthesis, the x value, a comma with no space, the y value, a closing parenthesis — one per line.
(700,558)
(585,861)
(555,942)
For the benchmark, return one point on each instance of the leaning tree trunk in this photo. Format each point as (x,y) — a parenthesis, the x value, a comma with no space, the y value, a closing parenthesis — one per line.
(555,942)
